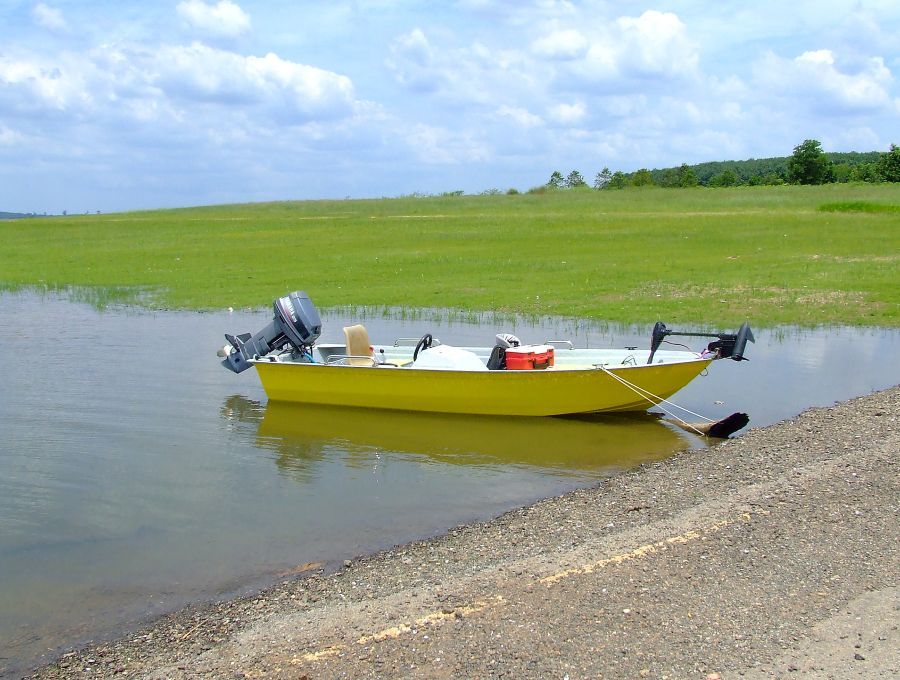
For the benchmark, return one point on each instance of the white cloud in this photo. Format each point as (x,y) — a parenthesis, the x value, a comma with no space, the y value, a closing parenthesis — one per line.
(730,111)
(489,77)
(138,84)
(9,137)
(601,63)
(567,44)
(816,77)
(413,46)
(411,61)
(821,57)
(626,54)
(224,19)
(655,43)
(41,86)
(283,88)
(442,146)
(520,116)
(856,137)
(48,17)
(685,113)
(863,33)
(621,106)
(568,113)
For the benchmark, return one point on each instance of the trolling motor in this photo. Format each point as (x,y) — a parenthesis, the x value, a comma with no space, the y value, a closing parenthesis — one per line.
(728,345)
(296,324)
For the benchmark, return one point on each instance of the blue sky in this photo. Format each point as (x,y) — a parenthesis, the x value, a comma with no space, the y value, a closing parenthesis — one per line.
(109,105)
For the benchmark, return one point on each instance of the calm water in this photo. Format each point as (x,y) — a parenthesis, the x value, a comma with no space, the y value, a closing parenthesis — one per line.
(136,474)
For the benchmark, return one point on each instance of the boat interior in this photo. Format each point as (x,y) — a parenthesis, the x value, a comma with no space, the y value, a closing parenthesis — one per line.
(429,352)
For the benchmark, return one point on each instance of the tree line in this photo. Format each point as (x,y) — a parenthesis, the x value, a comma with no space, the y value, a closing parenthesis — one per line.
(808,164)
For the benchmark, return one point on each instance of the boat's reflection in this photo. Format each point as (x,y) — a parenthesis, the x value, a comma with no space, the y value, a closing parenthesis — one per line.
(302,436)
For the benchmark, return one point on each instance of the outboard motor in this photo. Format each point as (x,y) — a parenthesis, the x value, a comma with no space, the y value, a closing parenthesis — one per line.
(733,346)
(727,346)
(296,324)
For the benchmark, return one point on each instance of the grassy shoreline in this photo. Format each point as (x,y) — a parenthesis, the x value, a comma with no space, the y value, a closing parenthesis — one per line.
(775,255)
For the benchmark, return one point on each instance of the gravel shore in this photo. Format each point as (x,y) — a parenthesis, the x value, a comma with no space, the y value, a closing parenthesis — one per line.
(774,554)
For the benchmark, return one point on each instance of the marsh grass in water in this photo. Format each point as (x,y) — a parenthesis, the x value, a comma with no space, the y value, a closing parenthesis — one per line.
(716,256)
(98,297)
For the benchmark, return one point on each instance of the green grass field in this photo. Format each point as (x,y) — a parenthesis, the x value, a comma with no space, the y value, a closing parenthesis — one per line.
(774,255)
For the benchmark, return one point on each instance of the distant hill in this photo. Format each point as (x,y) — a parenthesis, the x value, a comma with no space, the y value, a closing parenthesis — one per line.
(14,216)
(755,170)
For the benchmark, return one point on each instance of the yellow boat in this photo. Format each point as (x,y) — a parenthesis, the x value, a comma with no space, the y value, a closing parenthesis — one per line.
(553,391)
(439,378)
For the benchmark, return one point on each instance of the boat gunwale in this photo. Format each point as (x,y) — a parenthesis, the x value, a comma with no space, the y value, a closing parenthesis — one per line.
(562,366)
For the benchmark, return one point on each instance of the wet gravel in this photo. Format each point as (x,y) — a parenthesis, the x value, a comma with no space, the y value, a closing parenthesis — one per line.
(773,554)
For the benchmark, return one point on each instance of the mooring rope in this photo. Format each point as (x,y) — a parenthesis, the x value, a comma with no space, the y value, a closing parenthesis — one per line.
(657,400)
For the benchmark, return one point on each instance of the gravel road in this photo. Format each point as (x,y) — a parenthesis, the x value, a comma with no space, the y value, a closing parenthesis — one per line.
(774,554)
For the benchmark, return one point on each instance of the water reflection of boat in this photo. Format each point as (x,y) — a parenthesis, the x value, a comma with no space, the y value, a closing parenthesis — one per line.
(301,435)
(505,379)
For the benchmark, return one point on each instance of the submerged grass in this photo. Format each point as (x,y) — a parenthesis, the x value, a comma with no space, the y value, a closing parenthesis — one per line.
(99,297)
(771,254)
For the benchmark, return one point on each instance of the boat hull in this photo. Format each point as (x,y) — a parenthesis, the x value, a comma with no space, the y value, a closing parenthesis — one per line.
(521,393)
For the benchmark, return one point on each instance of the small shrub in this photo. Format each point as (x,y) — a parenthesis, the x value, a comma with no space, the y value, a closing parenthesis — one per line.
(859,206)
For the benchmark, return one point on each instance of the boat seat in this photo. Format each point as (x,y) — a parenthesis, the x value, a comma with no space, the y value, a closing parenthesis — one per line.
(497,360)
(358,345)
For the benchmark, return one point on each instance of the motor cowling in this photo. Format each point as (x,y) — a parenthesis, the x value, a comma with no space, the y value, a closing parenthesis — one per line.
(296,323)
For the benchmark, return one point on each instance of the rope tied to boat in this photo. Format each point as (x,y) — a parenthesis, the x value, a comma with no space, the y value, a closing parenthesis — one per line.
(656,400)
